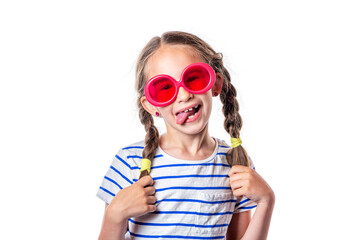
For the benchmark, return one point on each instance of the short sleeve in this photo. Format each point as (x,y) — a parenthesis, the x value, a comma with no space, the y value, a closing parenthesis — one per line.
(245,204)
(118,176)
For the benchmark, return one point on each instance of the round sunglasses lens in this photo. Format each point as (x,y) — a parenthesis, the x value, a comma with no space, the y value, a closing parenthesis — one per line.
(197,79)
(162,90)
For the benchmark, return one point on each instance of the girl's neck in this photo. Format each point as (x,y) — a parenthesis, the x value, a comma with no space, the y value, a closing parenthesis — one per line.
(188,147)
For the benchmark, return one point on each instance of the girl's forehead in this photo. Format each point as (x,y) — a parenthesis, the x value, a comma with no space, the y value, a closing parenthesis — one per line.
(171,60)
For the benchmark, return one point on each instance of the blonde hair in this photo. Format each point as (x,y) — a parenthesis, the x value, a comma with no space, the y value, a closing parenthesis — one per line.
(232,122)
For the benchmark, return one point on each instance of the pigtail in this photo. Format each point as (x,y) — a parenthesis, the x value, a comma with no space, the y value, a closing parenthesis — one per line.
(233,124)
(151,141)
(151,137)
(233,121)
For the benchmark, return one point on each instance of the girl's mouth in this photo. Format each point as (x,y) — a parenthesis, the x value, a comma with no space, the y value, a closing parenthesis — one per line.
(188,115)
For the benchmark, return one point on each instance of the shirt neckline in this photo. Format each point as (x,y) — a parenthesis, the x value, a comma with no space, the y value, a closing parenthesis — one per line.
(172,158)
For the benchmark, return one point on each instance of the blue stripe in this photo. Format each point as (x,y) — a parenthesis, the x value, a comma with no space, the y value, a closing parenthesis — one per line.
(107,191)
(174,236)
(113,181)
(192,164)
(178,224)
(140,157)
(221,153)
(113,168)
(140,147)
(193,200)
(187,176)
(192,213)
(126,164)
(224,146)
(191,188)
(190,176)
(244,201)
(247,207)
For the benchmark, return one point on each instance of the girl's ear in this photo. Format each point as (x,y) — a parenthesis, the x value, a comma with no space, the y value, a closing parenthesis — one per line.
(216,89)
(148,107)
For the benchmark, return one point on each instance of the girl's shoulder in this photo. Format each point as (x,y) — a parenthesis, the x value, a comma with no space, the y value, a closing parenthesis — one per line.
(222,144)
(224,148)
(134,148)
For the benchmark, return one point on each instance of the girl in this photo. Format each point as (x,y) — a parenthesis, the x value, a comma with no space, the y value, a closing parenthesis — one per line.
(199,187)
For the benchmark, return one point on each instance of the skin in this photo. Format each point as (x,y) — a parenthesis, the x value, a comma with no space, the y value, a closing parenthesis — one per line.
(244,181)
(189,141)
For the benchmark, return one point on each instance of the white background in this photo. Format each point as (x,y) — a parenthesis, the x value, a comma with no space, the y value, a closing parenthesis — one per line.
(68,104)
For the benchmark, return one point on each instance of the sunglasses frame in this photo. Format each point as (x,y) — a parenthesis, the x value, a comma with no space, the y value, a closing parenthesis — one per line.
(180,83)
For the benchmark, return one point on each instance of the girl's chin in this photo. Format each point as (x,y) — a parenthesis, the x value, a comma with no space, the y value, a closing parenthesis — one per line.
(192,128)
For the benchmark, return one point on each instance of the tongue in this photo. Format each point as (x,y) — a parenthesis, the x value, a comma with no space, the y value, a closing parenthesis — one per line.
(181,117)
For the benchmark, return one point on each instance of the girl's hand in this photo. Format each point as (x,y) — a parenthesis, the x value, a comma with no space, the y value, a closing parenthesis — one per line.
(133,201)
(244,181)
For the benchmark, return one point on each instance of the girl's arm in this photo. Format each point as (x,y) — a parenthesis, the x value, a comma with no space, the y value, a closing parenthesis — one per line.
(260,222)
(245,181)
(133,201)
(238,225)
(111,229)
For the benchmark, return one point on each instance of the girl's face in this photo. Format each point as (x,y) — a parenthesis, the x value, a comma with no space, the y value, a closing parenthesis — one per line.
(189,113)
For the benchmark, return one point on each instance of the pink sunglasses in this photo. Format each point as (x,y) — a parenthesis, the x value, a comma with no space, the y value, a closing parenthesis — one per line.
(197,78)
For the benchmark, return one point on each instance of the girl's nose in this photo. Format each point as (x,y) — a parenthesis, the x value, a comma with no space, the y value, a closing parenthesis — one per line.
(183,95)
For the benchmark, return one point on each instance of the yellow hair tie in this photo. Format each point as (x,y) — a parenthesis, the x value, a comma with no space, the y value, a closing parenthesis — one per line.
(145,165)
(235,142)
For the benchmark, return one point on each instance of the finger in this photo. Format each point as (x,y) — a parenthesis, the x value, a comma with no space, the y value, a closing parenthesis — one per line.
(150,190)
(237,169)
(238,192)
(235,177)
(240,176)
(145,181)
(238,184)
(151,200)
(242,191)
(151,208)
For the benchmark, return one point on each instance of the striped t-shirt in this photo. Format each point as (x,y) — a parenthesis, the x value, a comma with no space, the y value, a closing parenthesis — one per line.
(194,198)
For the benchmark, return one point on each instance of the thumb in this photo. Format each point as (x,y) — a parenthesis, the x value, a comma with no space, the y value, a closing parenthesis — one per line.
(146,181)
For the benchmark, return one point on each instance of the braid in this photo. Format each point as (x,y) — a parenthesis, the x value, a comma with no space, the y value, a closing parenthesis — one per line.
(151,137)
(233,121)
(151,142)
